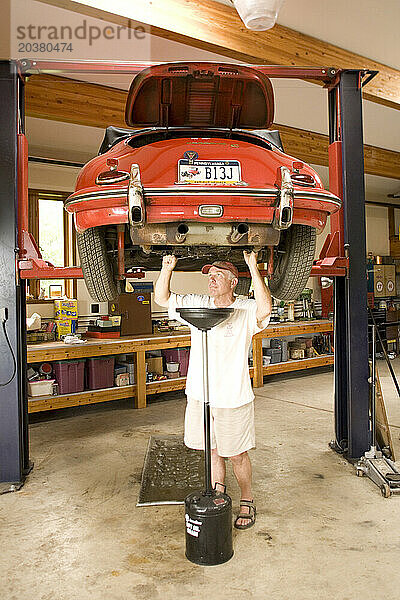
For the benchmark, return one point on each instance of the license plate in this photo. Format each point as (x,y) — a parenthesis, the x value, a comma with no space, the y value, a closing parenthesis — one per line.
(209,171)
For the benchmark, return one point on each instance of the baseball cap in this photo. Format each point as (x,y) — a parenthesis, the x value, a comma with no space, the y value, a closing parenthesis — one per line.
(221,264)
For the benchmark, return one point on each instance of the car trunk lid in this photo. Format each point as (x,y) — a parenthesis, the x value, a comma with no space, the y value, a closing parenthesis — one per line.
(200,95)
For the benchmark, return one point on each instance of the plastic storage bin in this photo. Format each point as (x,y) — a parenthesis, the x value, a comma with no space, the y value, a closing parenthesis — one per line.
(178,355)
(274,353)
(69,375)
(128,361)
(100,372)
(281,344)
(40,388)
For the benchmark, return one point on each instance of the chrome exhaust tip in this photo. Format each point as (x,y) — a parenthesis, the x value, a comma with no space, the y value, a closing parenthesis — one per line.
(181,233)
(238,232)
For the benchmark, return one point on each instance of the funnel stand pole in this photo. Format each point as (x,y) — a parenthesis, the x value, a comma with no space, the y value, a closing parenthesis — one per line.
(373,381)
(207,420)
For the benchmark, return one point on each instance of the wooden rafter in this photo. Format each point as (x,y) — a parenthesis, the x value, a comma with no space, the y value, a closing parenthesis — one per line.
(63,99)
(215,27)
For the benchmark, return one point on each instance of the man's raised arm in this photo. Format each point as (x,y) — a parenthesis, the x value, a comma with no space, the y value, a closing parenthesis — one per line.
(262,294)
(161,288)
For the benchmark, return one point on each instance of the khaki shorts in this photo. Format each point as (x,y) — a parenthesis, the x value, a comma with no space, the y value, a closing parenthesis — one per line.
(232,429)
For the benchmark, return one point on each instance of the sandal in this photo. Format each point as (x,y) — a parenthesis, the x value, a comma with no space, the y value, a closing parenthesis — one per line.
(249,516)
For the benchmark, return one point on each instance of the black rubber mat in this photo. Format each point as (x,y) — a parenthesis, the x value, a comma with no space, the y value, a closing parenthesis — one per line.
(171,471)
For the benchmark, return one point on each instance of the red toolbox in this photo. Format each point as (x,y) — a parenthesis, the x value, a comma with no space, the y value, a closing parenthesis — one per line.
(69,375)
(100,372)
(178,355)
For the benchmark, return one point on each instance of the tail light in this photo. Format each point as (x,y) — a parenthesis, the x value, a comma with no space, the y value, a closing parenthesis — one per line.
(112,175)
(303,179)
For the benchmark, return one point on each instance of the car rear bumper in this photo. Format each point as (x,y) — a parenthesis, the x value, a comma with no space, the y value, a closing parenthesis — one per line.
(94,207)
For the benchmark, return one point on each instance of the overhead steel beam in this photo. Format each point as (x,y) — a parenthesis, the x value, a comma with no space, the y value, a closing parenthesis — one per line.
(216,27)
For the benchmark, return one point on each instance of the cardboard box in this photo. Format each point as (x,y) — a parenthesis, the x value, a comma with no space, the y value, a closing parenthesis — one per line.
(122,379)
(389,272)
(135,310)
(66,309)
(65,327)
(155,365)
(379,281)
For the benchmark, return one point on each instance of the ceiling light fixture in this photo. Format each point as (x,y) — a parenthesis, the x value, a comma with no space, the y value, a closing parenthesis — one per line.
(258,15)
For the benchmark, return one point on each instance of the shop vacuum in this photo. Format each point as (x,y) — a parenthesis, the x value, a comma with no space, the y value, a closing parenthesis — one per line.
(208,513)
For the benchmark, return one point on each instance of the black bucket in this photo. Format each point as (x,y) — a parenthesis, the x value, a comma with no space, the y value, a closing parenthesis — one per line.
(208,520)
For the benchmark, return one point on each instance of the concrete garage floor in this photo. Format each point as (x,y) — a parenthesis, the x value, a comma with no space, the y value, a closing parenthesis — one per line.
(73,531)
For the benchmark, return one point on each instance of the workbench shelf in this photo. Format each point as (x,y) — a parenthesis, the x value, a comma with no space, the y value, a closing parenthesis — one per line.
(298,365)
(139,345)
(288,329)
(166,385)
(42,403)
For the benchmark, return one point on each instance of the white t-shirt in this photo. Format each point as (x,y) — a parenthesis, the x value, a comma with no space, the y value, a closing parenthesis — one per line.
(228,349)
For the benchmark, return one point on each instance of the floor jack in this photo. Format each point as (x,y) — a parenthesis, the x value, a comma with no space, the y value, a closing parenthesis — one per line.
(380,469)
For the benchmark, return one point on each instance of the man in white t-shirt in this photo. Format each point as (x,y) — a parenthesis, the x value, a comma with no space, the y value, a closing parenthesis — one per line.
(230,392)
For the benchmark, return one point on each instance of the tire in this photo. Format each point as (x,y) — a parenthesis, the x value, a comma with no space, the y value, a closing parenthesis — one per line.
(96,265)
(293,263)
(243,286)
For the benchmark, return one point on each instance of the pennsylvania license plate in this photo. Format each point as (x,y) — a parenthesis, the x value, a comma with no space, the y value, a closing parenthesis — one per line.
(209,171)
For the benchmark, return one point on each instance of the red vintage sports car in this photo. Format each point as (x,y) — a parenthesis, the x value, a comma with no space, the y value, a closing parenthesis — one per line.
(199,176)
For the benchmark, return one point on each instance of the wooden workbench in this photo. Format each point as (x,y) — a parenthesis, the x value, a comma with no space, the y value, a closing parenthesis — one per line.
(139,345)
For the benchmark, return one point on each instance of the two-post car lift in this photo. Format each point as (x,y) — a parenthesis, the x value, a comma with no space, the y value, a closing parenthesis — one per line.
(342,257)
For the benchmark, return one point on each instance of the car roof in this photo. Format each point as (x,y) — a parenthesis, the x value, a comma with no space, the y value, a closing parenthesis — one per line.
(142,137)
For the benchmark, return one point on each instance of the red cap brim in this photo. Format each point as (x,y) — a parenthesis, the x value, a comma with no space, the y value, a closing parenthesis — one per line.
(205,269)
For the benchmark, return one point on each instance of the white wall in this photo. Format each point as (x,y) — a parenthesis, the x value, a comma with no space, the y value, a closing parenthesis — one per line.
(46,311)
(377,220)
(181,283)
(52,177)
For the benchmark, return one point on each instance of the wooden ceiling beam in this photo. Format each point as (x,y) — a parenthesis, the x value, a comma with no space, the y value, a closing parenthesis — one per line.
(63,99)
(215,27)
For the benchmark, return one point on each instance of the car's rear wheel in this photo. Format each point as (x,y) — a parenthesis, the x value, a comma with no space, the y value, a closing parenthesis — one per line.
(243,286)
(96,264)
(293,261)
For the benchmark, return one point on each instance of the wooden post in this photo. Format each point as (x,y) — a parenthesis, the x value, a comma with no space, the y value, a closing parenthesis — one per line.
(257,362)
(140,399)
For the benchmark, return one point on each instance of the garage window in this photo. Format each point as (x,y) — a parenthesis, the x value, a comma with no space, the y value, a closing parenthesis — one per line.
(52,228)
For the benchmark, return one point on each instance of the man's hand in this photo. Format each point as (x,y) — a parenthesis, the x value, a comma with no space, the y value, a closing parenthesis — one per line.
(169,262)
(250,258)
(161,288)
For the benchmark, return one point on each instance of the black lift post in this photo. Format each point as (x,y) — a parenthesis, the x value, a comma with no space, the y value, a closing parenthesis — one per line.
(14,445)
(351,318)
